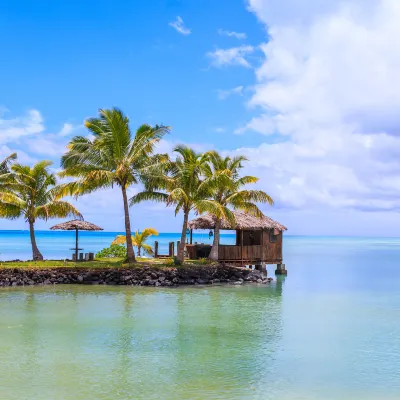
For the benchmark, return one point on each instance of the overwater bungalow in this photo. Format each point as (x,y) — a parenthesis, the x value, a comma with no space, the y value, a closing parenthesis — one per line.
(258,241)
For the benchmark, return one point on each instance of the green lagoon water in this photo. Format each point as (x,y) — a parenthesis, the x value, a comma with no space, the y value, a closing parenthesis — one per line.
(329,331)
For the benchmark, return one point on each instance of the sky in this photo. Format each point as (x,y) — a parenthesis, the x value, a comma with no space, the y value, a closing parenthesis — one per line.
(307,90)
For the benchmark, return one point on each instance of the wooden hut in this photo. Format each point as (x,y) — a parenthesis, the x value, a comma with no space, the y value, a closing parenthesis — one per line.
(258,241)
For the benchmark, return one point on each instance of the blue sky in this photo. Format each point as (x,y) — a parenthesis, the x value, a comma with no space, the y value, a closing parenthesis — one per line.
(309,91)
(67,59)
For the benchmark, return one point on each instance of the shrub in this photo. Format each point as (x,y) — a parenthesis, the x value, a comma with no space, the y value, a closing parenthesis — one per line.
(114,251)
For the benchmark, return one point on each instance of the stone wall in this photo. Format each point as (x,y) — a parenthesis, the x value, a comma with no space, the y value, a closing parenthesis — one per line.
(146,276)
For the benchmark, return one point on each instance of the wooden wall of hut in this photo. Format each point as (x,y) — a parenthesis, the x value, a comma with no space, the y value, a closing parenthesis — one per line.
(258,245)
(272,245)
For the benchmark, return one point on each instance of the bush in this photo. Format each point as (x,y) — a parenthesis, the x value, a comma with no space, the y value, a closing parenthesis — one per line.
(114,251)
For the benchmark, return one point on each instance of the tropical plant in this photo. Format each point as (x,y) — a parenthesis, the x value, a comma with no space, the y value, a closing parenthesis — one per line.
(5,167)
(177,183)
(112,156)
(114,251)
(227,190)
(139,240)
(33,193)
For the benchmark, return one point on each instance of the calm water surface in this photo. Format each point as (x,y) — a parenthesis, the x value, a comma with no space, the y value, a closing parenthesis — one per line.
(329,331)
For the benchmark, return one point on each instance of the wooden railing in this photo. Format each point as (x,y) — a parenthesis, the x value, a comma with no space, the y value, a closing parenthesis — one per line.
(271,254)
(239,252)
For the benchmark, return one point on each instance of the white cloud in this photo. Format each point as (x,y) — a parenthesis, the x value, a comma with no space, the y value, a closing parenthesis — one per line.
(329,86)
(180,26)
(13,129)
(47,145)
(237,35)
(224,94)
(233,56)
(66,130)
(28,137)
(220,129)
(23,157)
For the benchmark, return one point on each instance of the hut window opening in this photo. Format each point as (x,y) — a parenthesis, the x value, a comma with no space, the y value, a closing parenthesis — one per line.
(251,238)
(273,237)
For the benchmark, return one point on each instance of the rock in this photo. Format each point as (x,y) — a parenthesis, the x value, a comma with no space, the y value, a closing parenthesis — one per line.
(238,283)
(80,278)
(259,280)
(161,278)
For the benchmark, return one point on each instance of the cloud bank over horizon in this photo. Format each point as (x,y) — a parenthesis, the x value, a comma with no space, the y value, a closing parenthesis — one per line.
(328,91)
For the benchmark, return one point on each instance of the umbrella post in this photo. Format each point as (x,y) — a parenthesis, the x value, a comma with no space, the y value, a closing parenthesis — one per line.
(76,245)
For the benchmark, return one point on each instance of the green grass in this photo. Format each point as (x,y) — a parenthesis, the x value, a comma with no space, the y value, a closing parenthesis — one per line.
(101,263)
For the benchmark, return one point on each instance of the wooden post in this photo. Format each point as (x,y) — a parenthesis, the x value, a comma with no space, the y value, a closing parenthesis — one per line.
(280,269)
(155,249)
(191,236)
(241,247)
(171,252)
(76,244)
(263,247)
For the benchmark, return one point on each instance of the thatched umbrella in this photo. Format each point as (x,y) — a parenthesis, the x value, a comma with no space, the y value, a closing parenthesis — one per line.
(76,225)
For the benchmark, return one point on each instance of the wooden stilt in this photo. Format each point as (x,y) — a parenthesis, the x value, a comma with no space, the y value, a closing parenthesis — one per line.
(280,269)
(156,249)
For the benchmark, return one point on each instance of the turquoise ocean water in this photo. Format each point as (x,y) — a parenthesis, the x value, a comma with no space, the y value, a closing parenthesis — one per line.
(329,331)
(57,244)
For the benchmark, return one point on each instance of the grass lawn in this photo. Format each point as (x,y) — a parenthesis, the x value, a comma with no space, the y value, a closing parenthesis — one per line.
(100,263)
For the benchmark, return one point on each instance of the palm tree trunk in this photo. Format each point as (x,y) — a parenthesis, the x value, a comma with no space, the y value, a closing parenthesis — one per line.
(36,254)
(131,254)
(138,251)
(181,250)
(214,249)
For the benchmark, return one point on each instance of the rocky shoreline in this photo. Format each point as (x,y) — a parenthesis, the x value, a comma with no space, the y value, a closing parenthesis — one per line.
(146,276)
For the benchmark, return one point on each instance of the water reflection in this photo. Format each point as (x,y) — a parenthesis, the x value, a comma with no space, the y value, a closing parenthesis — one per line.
(140,343)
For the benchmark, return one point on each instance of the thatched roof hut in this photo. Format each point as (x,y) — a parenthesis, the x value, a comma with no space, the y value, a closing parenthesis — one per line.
(76,224)
(243,221)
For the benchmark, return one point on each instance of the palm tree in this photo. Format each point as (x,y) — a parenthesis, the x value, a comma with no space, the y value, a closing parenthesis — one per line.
(227,191)
(113,156)
(139,240)
(5,166)
(32,193)
(177,183)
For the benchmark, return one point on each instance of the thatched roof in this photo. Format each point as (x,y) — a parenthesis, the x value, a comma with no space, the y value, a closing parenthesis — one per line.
(243,221)
(76,224)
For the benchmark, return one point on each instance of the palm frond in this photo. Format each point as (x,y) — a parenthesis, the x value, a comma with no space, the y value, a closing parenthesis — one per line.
(6,163)
(147,232)
(148,195)
(119,239)
(56,209)
(147,249)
